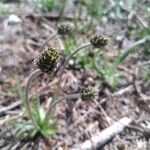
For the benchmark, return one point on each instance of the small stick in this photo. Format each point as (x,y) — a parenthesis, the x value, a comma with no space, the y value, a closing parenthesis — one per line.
(108,119)
(12,106)
(52,17)
(128,89)
(6,94)
(8,119)
(143,63)
(101,138)
(143,96)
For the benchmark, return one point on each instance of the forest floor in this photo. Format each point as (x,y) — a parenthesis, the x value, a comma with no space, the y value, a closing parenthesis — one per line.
(77,120)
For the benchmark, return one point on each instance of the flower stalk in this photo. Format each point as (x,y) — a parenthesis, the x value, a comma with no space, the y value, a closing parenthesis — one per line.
(27,102)
(64,65)
(49,39)
(62,30)
(67,97)
(71,55)
(47,62)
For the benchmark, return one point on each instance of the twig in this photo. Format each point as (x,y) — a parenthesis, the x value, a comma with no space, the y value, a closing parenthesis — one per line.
(52,17)
(126,69)
(8,119)
(108,119)
(143,96)
(6,94)
(143,63)
(142,22)
(12,112)
(101,138)
(128,89)
(12,106)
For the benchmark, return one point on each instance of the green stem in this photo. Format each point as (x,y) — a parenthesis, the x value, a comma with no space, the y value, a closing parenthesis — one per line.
(67,97)
(27,103)
(126,52)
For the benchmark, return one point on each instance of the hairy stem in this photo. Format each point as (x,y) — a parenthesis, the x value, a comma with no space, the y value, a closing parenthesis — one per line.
(67,97)
(27,102)
(49,39)
(66,62)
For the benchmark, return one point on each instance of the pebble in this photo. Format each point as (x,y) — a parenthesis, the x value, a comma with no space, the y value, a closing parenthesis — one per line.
(137,110)
(12,28)
(13,20)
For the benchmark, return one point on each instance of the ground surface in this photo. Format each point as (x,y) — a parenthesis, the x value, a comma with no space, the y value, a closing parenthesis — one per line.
(76,120)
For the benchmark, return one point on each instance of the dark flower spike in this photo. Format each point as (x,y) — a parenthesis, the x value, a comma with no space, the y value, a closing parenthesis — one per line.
(64,29)
(89,93)
(48,60)
(99,41)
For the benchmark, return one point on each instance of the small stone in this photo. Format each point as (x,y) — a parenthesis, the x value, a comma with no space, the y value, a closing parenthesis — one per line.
(13,20)
(9,62)
(137,110)
(120,40)
(141,144)
(71,62)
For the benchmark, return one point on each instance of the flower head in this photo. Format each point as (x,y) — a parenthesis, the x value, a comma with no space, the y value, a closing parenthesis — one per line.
(88,93)
(99,41)
(64,29)
(48,60)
